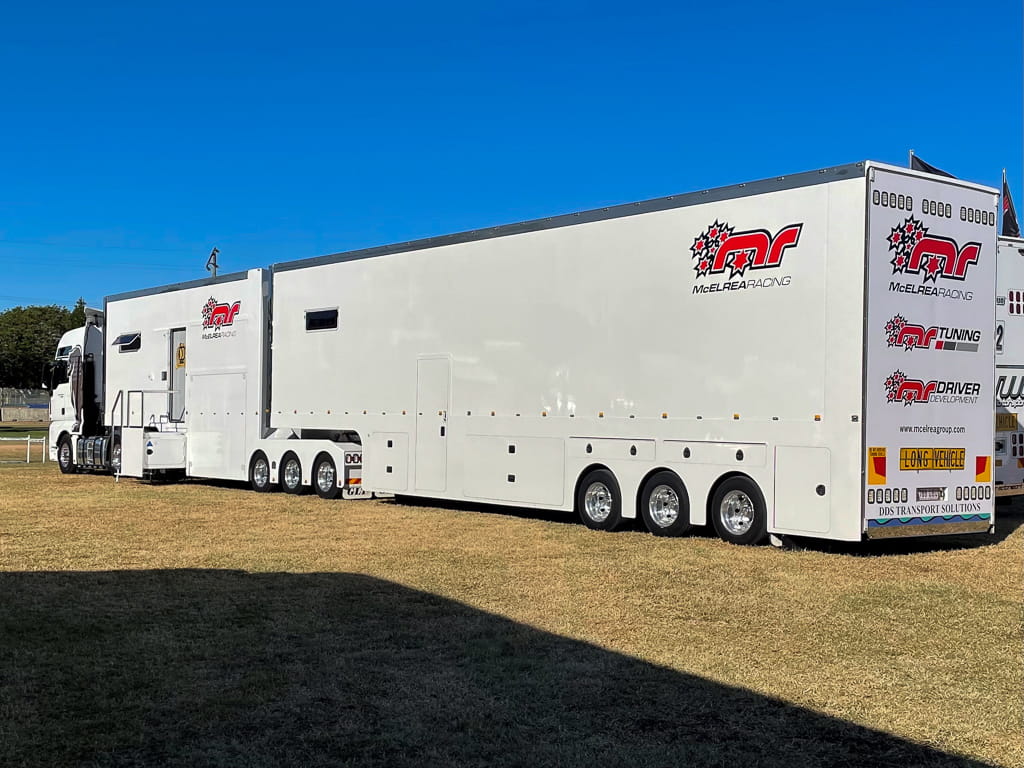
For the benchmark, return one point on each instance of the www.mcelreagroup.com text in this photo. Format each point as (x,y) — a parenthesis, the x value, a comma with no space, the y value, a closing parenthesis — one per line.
(934,429)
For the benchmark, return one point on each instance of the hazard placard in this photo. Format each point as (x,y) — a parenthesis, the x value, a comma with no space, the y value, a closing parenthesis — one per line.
(876,466)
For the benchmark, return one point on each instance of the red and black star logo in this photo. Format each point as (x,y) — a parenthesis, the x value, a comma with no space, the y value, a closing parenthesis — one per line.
(705,246)
(902,240)
(893,328)
(893,384)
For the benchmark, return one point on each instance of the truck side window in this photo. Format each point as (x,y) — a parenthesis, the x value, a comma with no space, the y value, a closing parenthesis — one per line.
(321,319)
(128,342)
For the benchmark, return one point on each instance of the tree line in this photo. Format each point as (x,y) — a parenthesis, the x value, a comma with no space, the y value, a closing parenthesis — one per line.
(28,340)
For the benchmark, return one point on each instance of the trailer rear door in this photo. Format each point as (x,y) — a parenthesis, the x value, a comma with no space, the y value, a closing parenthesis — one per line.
(929,356)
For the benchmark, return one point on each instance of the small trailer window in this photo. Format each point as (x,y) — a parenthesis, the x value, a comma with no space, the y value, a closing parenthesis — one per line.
(128,342)
(321,319)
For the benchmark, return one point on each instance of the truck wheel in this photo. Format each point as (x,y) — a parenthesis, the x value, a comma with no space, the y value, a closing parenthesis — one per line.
(115,458)
(599,501)
(291,474)
(738,511)
(259,473)
(65,457)
(325,478)
(664,505)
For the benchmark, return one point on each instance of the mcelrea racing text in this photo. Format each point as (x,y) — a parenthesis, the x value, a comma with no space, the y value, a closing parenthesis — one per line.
(932,290)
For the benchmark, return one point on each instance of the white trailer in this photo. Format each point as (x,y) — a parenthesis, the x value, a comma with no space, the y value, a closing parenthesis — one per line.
(1009,445)
(743,357)
(184,372)
(768,358)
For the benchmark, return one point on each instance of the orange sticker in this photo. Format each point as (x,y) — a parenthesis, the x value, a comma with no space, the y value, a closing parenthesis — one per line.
(983,469)
(876,466)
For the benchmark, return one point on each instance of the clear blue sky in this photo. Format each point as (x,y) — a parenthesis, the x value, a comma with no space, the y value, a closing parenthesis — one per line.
(136,136)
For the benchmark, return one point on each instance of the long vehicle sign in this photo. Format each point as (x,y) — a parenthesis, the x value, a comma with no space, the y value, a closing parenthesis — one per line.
(918,459)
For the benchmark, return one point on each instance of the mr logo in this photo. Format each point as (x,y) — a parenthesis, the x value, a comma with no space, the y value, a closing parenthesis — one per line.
(916,251)
(719,247)
(219,315)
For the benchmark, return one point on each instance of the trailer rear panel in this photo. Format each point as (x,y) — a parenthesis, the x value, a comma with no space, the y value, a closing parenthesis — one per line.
(928,387)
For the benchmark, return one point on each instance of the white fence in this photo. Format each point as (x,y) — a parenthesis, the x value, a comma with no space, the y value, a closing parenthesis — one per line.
(28,442)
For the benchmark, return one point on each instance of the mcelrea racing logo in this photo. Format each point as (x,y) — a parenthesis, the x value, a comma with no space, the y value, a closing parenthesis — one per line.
(900,333)
(719,248)
(917,252)
(218,315)
(898,388)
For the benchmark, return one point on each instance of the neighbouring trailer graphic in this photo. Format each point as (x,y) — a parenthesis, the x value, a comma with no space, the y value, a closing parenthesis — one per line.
(769,358)
(1009,343)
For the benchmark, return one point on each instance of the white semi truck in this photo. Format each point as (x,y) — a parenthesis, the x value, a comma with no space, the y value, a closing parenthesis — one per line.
(1009,446)
(768,358)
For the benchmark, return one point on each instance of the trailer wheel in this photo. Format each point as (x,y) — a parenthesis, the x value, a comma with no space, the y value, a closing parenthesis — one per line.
(65,456)
(259,472)
(599,501)
(325,477)
(115,458)
(291,474)
(738,511)
(664,505)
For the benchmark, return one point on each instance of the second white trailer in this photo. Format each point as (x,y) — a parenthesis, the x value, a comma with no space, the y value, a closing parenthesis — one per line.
(1009,445)
(808,355)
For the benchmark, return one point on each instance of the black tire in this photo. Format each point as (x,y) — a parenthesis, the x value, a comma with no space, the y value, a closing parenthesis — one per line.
(738,511)
(599,501)
(664,505)
(66,456)
(325,477)
(115,457)
(290,474)
(259,473)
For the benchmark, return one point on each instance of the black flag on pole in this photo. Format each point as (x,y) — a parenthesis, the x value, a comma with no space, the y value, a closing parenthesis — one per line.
(1010,226)
(917,164)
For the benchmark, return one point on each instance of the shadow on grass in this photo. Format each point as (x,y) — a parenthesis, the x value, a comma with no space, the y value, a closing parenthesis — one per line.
(230,668)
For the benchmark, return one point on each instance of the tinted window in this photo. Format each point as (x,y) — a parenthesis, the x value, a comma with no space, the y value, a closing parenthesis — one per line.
(321,320)
(128,342)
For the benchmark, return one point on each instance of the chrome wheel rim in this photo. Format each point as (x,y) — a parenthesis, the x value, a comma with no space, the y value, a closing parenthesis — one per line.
(325,476)
(115,458)
(663,506)
(292,474)
(737,512)
(260,472)
(598,502)
(65,454)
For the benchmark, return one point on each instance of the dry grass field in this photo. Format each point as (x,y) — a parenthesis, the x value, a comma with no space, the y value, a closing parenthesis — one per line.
(208,625)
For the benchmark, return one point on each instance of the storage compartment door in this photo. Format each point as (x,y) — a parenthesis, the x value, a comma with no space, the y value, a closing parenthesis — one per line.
(802,490)
(432,377)
(132,442)
(216,434)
